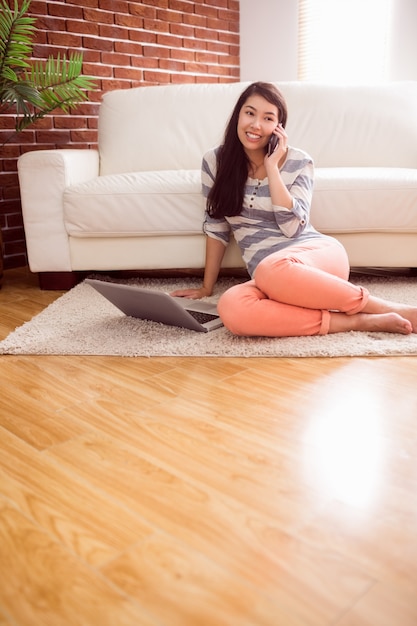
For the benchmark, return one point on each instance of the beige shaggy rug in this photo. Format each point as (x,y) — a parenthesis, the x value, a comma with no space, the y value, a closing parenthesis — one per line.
(82,322)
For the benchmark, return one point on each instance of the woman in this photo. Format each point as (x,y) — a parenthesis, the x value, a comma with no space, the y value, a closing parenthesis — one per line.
(299,277)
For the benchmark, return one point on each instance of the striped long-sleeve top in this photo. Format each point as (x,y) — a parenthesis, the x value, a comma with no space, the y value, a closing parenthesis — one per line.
(262,228)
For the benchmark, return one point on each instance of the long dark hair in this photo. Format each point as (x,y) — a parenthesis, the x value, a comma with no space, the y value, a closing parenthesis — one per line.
(226,195)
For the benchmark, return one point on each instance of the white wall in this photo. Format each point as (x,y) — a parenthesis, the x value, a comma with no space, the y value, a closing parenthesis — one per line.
(269,40)
(403,45)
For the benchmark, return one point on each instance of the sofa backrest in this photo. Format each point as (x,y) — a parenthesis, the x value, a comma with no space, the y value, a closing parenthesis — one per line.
(170,127)
(162,127)
(355,125)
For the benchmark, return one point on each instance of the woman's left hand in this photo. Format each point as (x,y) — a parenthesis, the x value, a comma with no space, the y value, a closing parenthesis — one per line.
(280,196)
(281,150)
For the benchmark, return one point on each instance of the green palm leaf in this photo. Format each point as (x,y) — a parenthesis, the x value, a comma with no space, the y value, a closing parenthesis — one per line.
(59,84)
(35,89)
(16,35)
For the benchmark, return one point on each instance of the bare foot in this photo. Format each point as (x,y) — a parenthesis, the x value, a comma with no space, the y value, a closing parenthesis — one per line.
(370,322)
(409,313)
(380,306)
(383,322)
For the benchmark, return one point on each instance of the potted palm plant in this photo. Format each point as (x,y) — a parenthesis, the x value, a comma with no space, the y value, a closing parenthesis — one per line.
(32,89)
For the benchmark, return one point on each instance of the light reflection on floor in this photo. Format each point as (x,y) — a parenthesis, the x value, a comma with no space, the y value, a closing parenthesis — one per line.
(345,441)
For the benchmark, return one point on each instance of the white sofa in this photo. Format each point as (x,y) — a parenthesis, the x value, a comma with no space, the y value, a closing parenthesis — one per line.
(135,203)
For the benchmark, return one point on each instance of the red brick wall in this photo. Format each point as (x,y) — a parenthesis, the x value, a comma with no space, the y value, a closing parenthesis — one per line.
(124,44)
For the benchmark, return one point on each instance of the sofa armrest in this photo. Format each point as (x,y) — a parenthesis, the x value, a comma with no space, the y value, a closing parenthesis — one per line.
(43,177)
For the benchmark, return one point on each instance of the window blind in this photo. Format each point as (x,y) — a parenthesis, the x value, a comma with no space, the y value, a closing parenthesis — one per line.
(343,40)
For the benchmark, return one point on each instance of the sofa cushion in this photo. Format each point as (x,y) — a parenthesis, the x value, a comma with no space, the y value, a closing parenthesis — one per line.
(345,200)
(365,199)
(136,204)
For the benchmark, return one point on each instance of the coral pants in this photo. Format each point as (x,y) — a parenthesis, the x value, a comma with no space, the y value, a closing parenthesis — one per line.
(293,292)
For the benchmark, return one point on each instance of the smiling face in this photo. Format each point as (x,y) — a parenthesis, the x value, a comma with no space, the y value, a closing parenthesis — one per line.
(257,119)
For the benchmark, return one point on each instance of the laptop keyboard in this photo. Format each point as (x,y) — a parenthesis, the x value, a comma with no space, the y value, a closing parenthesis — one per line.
(203,317)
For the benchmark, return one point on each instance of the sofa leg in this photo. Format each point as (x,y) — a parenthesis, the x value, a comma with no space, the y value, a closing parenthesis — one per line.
(59,281)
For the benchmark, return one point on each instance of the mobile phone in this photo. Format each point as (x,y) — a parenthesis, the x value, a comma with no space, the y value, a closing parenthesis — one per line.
(273,144)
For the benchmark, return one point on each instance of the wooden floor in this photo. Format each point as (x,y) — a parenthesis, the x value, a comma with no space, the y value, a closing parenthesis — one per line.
(204,491)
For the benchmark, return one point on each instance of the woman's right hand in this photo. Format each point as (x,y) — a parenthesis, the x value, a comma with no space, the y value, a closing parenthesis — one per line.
(214,254)
(192,294)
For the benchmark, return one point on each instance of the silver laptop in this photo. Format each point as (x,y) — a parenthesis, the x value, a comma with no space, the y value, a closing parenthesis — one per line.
(159,306)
